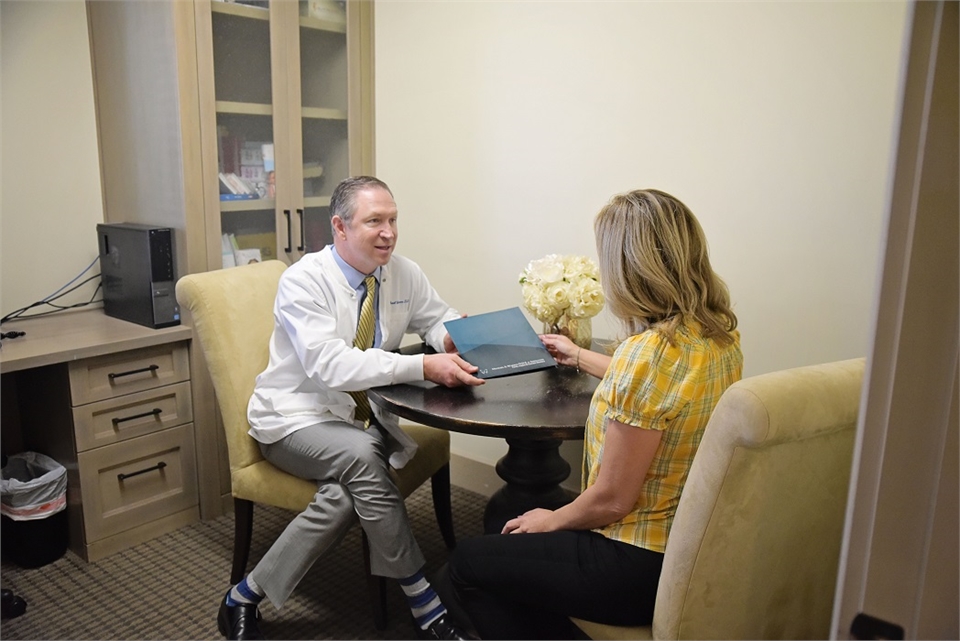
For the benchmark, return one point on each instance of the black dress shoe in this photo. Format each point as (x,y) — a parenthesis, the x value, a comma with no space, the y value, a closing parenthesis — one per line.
(442,628)
(11,606)
(239,621)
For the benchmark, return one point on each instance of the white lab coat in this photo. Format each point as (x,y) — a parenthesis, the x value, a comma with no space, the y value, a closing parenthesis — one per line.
(313,363)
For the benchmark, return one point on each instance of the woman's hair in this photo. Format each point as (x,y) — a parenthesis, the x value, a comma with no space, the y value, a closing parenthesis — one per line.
(655,269)
(343,201)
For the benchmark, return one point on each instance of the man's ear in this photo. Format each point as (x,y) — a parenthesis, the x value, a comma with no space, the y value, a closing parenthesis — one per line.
(338,227)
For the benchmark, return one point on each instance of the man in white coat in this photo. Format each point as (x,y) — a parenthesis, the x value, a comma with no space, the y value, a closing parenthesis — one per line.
(310,414)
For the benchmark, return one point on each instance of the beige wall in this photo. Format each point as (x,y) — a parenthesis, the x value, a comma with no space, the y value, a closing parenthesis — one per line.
(51,198)
(503,127)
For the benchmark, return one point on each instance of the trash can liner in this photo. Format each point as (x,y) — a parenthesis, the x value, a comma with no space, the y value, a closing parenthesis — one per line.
(34,486)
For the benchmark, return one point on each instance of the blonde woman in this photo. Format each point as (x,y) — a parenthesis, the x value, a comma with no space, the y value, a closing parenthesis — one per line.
(599,557)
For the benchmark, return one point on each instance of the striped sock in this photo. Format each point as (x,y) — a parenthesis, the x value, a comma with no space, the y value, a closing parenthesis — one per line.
(423,600)
(247,591)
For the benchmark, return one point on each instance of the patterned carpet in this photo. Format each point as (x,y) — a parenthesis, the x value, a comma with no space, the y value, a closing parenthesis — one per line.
(170,587)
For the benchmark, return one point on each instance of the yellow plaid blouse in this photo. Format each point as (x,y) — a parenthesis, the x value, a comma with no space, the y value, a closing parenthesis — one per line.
(653,385)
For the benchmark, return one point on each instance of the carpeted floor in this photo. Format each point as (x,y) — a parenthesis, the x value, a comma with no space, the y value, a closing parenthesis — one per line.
(170,587)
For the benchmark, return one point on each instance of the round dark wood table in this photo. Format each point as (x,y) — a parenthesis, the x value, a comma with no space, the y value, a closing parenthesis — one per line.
(534,412)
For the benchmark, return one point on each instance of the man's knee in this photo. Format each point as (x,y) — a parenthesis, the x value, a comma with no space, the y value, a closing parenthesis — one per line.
(367,463)
(333,500)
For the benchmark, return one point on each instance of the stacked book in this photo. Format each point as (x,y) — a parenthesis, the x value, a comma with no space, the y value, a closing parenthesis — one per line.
(232,187)
(233,254)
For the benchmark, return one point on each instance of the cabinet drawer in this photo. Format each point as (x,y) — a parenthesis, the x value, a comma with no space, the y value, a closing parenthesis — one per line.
(137,481)
(102,377)
(124,417)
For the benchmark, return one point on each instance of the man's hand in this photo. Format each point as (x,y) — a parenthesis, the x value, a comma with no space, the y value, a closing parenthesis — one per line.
(449,370)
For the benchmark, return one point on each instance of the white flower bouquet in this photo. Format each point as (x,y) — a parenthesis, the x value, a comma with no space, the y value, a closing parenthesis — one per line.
(560,291)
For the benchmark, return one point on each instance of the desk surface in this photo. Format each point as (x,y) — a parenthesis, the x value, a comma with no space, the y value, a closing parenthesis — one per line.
(69,336)
(547,404)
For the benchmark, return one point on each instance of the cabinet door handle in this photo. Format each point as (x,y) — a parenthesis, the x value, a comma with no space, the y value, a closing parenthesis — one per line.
(158,466)
(154,412)
(151,369)
(300,213)
(289,247)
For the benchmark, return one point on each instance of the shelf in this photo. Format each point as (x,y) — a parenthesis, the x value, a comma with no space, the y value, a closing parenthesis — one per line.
(316,201)
(307,22)
(248,108)
(322,113)
(244,11)
(253,204)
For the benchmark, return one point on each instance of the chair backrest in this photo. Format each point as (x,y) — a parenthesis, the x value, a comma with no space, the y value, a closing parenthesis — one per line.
(232,315)
(755,544)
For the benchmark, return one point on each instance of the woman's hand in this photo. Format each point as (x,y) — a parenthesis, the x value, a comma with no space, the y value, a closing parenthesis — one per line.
(536,520)
(568,353)
(448,345)
(563,350)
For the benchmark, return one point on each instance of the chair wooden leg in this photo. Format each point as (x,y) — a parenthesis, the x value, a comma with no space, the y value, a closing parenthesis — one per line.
(242,535)
(376,587)
(440,488)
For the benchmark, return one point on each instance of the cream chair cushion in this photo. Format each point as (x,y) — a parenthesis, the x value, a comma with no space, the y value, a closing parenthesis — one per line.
(754,548)
(232,313)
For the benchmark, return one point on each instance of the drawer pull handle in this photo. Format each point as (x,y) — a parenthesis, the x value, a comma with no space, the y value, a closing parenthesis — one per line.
(150,369)
(156,411)
(158,466)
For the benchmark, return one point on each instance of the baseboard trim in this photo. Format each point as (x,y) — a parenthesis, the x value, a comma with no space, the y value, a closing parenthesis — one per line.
(473,475)
(482,478)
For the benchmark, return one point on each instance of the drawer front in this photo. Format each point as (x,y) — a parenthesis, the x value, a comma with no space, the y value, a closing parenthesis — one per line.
(124,417)
(111,375)
(133,482)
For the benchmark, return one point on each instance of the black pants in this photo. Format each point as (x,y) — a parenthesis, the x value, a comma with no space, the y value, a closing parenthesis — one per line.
(525,586)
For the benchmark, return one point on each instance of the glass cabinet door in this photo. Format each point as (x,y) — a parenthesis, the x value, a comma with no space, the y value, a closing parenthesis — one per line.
(245,130)
(323,115)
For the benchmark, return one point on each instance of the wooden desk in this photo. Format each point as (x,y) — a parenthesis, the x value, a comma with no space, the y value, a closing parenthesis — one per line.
(534,412)
(111,402)
(60,338)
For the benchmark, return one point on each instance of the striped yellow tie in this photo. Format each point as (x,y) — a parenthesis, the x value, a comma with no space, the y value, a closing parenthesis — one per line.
(364,340)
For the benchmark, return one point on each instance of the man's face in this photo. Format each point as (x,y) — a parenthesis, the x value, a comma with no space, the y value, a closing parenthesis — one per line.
(368,241)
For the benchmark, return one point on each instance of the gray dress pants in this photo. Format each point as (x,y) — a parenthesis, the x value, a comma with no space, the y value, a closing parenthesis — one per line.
(353,479)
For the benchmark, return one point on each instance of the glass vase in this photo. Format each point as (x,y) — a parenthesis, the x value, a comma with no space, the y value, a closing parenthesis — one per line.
(579,330)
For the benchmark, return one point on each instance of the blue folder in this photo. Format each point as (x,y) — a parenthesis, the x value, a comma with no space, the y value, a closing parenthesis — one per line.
(499,343)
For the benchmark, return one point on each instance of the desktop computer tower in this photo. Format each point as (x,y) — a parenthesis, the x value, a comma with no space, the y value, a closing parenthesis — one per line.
(137,273)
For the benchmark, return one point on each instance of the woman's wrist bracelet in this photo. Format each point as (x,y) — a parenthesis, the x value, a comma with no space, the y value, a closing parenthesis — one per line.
(578,359)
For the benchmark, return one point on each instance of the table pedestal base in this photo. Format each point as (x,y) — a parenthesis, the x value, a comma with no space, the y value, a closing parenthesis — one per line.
(533,471)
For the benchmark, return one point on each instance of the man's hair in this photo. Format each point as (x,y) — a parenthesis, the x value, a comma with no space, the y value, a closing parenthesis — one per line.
(343,202)
(655,269)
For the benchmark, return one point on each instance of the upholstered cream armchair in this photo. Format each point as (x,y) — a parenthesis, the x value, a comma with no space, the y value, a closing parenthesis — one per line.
(232,316)
(755,545)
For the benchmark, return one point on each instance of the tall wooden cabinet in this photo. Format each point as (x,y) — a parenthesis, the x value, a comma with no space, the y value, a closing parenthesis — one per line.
(294,78)
(186,91)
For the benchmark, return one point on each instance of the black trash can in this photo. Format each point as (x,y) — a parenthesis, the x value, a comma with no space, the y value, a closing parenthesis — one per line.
(33,515)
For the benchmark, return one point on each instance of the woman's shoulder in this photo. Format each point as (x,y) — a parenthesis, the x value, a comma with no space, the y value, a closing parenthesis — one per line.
(646,345)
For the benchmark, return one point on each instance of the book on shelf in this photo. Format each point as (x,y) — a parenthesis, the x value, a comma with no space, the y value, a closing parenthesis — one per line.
(251,153)
(266,150)
(312,170)
(500,343)
(324,10)
(226,251)
(232,187)
(227,197)
(228,148)
(265,242)
(247,256)
(252,173)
